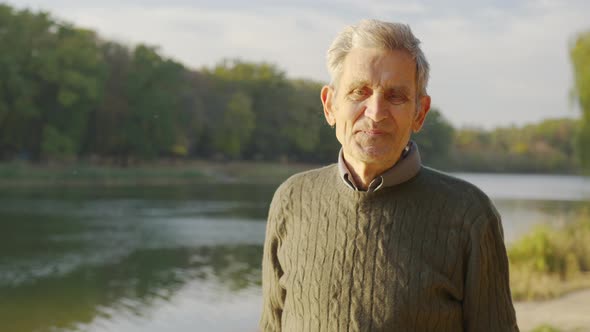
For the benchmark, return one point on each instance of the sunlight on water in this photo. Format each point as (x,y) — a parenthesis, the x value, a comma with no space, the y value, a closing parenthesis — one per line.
(178,259)
(531,187)
(197,306)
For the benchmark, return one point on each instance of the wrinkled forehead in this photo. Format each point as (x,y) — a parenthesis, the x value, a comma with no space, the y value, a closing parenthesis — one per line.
(377,67)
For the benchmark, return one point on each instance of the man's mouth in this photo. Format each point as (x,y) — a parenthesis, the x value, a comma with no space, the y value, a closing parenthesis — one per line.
(373,132)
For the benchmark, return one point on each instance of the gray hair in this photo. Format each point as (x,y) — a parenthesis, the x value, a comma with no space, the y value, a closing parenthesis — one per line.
(378,34)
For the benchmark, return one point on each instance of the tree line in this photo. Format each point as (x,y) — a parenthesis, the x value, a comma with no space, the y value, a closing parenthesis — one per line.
(68,94)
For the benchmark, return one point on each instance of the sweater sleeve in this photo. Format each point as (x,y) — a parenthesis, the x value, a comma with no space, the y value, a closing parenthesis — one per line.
(272,293)
(487,304)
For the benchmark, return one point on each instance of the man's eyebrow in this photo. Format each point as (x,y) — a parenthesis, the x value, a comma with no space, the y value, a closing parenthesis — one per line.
(354,84)
(357,83)
(398,88)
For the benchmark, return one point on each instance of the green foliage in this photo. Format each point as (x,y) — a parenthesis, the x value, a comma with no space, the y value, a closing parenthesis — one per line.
(152,103)
(548,261)
(237,70)
(545,147)
(583,144)
(56,145)
(51,75)
(23,36)
(580,56)
(545,250)
(539,251)
(288,115)
(66,93)
(236,125)
(435,139)
(546,328)
(304,121)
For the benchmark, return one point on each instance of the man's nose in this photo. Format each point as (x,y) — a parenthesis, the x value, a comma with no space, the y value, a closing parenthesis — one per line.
(376,108)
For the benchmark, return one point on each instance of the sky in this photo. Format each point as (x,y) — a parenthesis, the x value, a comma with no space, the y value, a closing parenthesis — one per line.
(493,63)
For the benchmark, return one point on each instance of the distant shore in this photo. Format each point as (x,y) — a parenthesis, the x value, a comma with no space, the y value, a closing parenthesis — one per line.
(157,173)
(162,172)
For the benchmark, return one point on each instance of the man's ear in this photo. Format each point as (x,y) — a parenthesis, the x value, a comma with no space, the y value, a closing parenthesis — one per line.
(327,95)
(421,112)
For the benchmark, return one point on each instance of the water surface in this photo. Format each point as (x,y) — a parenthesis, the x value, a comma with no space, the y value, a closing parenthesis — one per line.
(178,258)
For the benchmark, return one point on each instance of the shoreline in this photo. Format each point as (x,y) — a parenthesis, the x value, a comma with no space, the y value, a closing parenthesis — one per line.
(157,173)
(566,313)
(165,172)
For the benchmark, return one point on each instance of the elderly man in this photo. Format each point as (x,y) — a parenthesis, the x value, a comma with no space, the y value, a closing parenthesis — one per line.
(379,242)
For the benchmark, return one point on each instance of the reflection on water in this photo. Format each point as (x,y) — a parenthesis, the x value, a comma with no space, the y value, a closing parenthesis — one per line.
(130,287)
(181,258)
(532,187)
(520,216)
(129,260)
(527,200)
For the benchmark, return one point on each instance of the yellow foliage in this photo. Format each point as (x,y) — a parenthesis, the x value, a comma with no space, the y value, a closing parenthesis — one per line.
(179,150)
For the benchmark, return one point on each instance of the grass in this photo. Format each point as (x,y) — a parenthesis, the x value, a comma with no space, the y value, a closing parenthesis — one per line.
(549,262)
(545,328)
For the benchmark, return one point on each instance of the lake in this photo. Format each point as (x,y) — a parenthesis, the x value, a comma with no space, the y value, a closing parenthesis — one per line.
(179,258)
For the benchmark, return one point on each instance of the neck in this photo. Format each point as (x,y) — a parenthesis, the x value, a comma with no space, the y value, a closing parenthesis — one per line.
(364,173)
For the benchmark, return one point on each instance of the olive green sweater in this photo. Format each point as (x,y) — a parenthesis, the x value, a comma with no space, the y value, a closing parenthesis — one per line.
(423,255)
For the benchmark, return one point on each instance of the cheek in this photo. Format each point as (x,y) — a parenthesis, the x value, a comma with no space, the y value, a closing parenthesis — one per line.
(342,132)
(346,117)
(342,117)
(405,117)
(353,115)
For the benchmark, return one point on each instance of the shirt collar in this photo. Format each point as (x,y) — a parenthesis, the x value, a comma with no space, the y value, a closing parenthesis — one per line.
(406,168)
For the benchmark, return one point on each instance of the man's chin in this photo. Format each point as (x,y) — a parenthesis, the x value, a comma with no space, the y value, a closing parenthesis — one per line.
(375,155)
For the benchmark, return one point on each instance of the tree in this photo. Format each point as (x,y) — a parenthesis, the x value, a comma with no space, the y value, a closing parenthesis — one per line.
(154,103)
(192,119)
(71,79)
(55,144)
(51,78)
(270,93)
(236,126)
(435,139)
(24,37)
(303,118)
(580,56)
(106,135)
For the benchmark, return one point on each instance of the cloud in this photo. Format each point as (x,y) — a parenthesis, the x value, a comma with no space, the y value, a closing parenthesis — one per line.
(510,68)
(494,62)
(295,40)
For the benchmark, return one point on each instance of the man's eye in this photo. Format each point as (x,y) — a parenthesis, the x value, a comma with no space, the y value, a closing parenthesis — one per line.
(398,99)
(359,93)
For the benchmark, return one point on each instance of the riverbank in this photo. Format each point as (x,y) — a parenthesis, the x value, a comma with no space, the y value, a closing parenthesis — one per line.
(549,262)
(158,173)
(550,277)
(564,314)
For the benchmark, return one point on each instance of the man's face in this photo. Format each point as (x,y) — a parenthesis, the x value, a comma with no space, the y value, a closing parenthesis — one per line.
(374,106)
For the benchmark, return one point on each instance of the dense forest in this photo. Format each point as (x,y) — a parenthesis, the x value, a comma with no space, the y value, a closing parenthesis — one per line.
(66,95)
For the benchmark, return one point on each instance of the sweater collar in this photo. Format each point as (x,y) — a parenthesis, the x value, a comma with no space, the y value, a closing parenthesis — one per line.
(406,168)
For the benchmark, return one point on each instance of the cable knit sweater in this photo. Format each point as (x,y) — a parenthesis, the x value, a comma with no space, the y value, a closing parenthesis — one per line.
(423,255)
